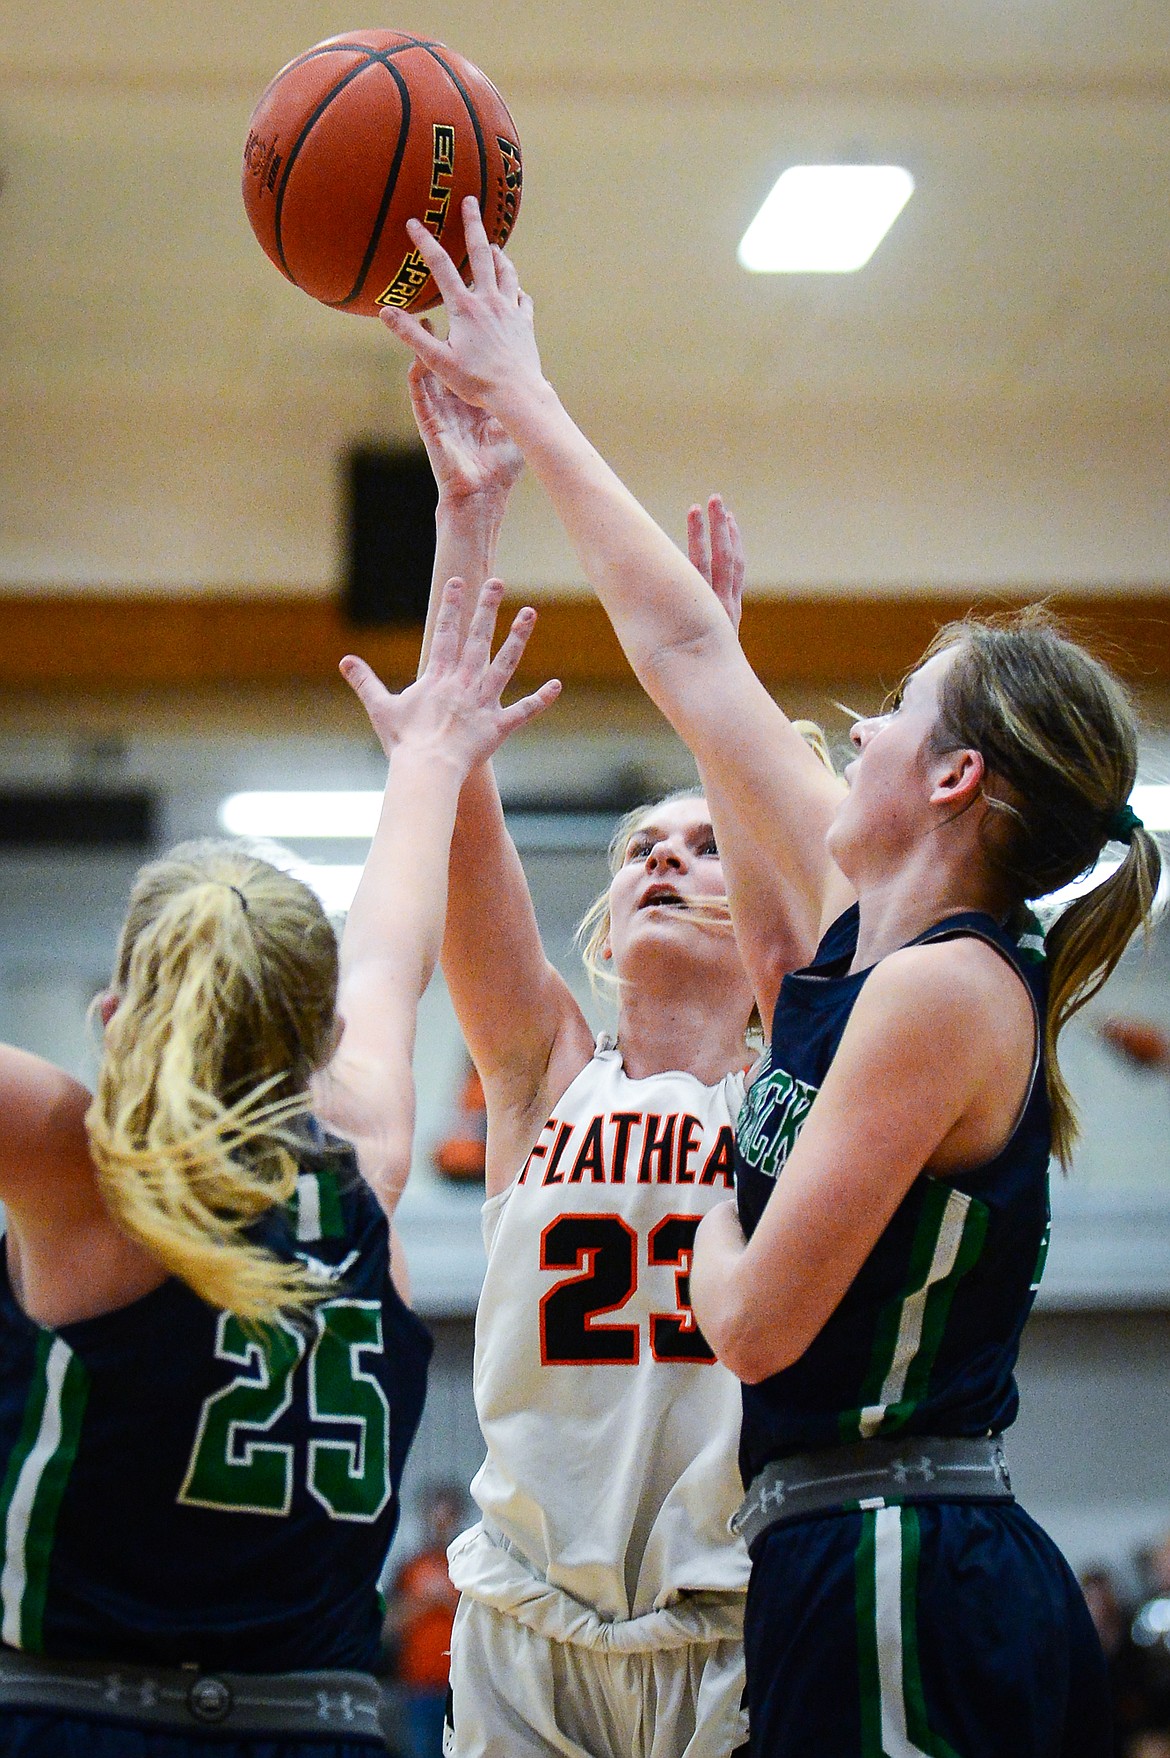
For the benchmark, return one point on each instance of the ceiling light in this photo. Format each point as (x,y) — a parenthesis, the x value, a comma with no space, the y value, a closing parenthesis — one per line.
(304,814)
(825,219)
(334,882)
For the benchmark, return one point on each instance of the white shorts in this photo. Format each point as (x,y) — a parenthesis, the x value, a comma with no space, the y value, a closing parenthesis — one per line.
(535,1673)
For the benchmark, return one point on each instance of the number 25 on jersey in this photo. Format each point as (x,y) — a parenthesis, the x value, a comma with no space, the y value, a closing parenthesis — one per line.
(234,1467)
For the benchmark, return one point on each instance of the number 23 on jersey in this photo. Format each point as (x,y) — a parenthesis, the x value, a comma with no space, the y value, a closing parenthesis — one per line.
(604,1251)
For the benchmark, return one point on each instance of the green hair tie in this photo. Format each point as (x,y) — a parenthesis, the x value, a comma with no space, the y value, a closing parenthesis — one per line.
(1123,824)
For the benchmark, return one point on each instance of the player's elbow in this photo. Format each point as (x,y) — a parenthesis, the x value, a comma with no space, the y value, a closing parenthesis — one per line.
(389,1167)
(679,668)
(755,1341)
(754,1358)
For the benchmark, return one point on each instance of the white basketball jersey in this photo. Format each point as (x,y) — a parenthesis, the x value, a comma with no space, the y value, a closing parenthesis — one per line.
(611,1431)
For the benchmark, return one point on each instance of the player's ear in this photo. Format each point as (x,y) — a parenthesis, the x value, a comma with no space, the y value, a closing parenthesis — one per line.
(107,1006)
(957,780)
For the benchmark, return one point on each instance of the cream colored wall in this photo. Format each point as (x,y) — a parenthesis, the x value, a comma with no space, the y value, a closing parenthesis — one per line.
(987,402)
(168,494)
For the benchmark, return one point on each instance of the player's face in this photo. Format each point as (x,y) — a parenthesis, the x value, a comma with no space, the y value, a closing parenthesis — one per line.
(670,865)
(890,777)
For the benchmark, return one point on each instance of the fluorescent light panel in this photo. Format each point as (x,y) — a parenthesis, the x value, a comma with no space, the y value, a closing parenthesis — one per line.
(825,219)
(334,882)
(303,815)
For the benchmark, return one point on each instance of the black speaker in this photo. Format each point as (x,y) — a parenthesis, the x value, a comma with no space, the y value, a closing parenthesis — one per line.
(391,498)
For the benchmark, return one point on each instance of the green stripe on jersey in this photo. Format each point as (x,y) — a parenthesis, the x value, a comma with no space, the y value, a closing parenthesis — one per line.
(34,1485)
(949,1238)
(894,1720)
(868,1675)
(319,1213)
(332,1215)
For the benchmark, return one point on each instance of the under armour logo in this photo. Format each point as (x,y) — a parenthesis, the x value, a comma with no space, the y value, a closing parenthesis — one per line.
(904,1469)
(772,1495)
(343,1705)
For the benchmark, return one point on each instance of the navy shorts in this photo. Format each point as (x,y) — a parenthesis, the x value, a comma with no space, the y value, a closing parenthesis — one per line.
(41,1734)
(942,1630)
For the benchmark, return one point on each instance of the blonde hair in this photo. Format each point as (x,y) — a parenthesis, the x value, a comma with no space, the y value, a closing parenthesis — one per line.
(593,928)
(1058,735)
(226,981)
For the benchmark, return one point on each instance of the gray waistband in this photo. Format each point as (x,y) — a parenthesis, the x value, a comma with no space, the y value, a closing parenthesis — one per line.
(185,1698)
(874,1474)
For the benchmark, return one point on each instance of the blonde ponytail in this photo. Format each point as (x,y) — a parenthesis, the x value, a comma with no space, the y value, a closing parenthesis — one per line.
(226,983)
(1058,735)
(1083,947)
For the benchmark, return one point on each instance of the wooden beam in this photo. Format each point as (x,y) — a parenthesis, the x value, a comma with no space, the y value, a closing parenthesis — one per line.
(112,643)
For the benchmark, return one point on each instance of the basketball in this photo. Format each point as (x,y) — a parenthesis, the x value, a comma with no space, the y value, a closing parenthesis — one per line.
(357,136)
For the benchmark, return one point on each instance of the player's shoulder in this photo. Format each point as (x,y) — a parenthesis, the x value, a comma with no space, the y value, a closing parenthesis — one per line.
(947,987)
(964,963)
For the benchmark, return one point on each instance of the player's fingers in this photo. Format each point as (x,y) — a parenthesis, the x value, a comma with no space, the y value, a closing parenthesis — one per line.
(479,251)
(737,550)
(507,279)
(478,644)
(444,654)
(365,683)
(427,348)
(443,271)
(520,713)
(503,666)
(720,537)
(697,550)
(420,382)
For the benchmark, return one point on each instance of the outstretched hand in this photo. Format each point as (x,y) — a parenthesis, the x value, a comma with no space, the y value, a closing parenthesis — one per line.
(490,349)
(720,558)
(454,709)
(470,453)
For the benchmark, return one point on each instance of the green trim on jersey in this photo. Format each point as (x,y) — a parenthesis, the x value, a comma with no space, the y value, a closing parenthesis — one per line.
(34,1485)
(951,1232)
(318,1210)
(894,1721)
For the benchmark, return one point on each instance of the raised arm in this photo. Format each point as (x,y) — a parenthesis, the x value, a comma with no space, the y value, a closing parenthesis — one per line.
(434,733)
(526,1033)
(773,931)
(675,635)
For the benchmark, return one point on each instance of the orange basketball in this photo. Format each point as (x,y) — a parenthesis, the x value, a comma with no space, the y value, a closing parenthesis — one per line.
(357,136)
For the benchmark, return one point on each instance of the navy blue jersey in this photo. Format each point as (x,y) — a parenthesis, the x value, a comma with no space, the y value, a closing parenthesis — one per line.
(926,1337)
(176,1487)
